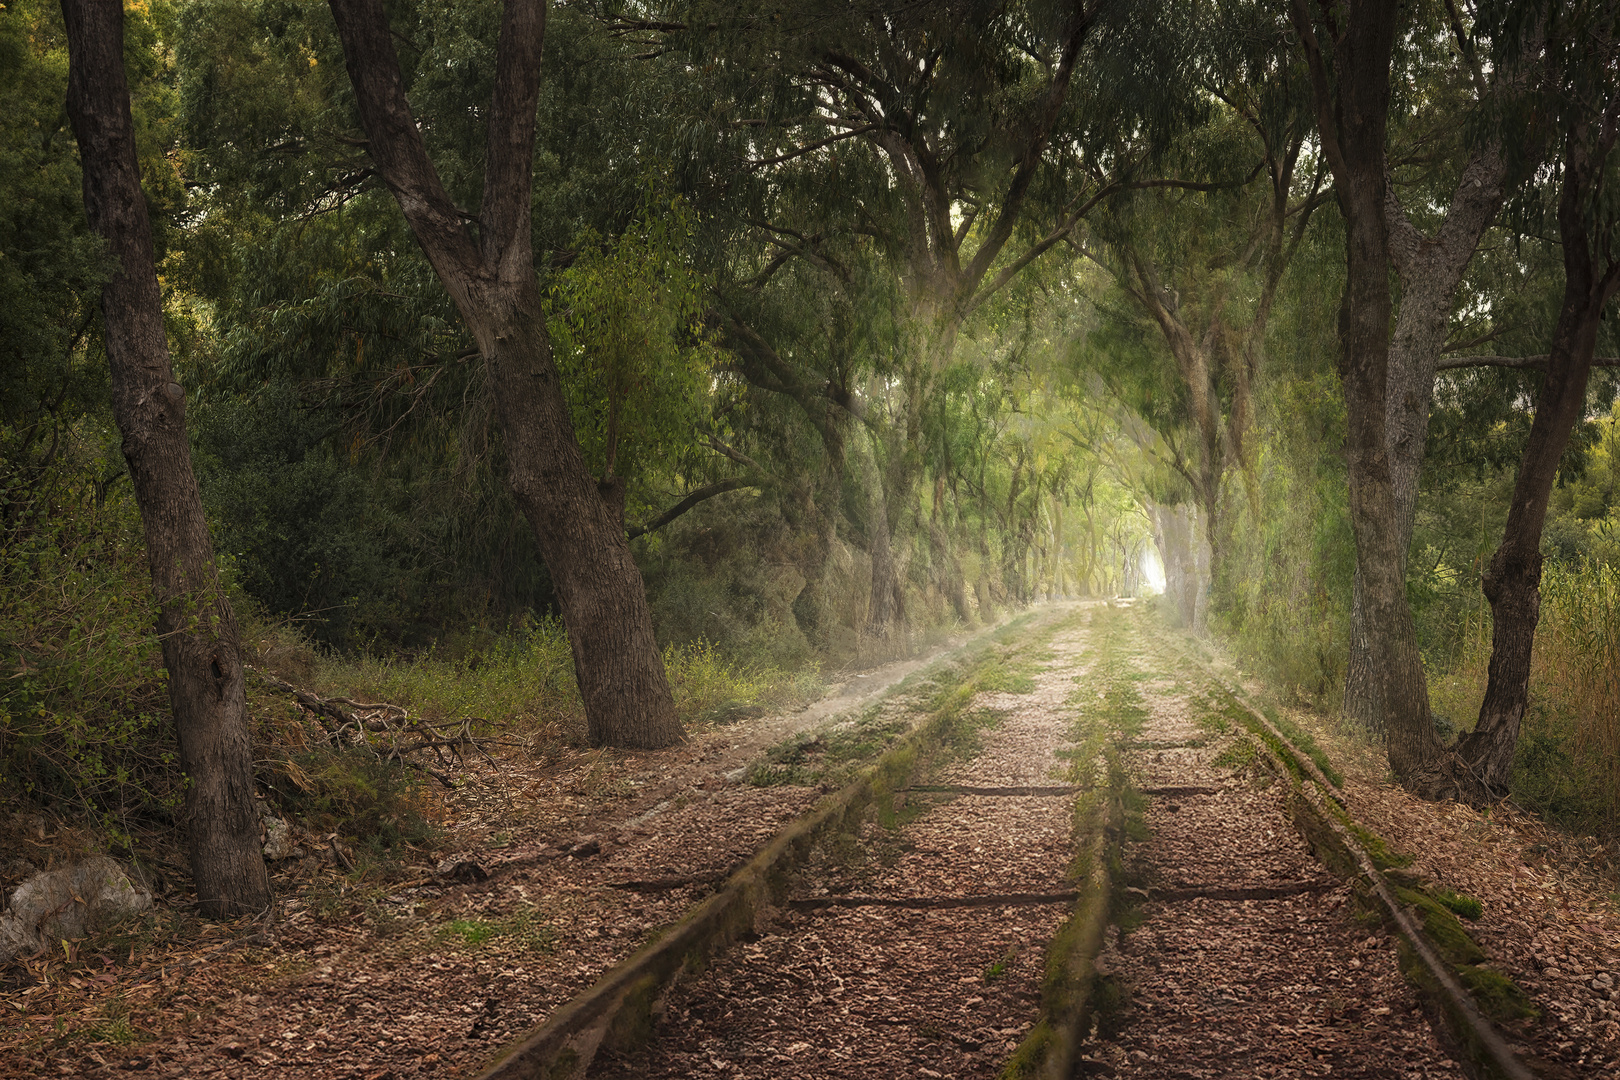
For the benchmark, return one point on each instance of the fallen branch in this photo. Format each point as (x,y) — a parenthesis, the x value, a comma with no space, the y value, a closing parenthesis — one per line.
(396,723)
(1237,892)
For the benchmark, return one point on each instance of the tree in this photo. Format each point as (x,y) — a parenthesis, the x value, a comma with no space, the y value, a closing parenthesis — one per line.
(1349,47)
(1430,268)
(982,135)
(201,649)
(578,523)
(1203,261)
(1583,93)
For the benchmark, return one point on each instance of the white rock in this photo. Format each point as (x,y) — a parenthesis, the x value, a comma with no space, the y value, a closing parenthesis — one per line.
(278,840)
(68,903)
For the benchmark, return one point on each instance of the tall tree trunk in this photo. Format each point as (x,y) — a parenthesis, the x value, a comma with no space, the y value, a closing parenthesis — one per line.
(1060,584)
(201,646)
(1430,271)
(897,479)
(1513,580)
(885,613)
(1186,568)
(948,571)
(1361,703)
(1352,108)
(578,524)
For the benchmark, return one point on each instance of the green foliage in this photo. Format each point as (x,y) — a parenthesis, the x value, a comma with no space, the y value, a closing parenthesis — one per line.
(1281,595)
(525,927)
(472,932)
(1459,903)
(51,268)
(1567,763)
(627,338)
(1584,512)
(83,701)
(308,534)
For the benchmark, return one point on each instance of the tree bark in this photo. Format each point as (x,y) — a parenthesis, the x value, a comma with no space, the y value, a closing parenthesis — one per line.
(1351,94)
(1513,581)
(201,645)
(578,524)
(1430,271)
(1186,562)
(886,607)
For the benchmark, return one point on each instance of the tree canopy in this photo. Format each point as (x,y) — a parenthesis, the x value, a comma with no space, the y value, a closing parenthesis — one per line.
(812,329)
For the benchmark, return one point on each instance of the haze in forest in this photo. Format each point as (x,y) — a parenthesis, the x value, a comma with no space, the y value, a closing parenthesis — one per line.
(614,369)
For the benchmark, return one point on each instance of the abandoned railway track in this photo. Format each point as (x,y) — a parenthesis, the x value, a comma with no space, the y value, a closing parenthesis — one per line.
(951,921)
(1064,850)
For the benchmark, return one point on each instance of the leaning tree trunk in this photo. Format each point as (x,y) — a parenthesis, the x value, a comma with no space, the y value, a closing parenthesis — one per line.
(1513,580)
(1352,117)
(578,526)
(201,646)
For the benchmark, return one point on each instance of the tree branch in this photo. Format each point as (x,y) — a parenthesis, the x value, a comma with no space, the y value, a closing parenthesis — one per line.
(503,219)
(1531,363)
(1040,134)
(811,148)
(396,147)
(702,494)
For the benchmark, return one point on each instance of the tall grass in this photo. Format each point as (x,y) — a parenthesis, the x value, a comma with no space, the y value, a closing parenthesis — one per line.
(1568,762)
(1576,684)
(523,680)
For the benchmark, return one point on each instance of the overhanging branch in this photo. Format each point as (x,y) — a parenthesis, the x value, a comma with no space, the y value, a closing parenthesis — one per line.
(702,494)
(1533,363)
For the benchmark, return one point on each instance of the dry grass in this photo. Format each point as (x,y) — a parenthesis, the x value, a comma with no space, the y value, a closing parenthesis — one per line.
(1568,765)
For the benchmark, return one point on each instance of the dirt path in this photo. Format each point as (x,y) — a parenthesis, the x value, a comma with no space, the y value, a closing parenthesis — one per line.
(875,970)
(1242,958)
(572,868)
(903,955)
(1223,979)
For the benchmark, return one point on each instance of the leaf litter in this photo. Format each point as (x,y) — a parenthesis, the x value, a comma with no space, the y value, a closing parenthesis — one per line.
(586,858)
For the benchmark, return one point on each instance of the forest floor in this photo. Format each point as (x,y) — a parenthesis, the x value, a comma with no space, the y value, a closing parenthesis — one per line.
(575,865)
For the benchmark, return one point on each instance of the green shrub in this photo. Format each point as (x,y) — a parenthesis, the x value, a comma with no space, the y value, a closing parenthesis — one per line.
(83,700)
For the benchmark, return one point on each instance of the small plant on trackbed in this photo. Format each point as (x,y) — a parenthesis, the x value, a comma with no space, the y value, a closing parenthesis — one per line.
(524,927)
